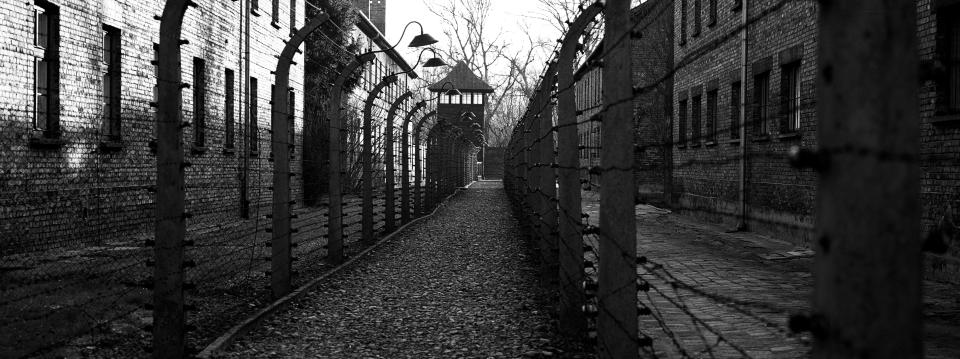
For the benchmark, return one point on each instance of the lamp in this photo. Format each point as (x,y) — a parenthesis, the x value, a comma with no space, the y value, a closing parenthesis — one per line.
(421,40)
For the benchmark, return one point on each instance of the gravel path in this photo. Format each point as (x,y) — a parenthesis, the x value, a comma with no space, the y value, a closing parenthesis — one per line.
(457,285)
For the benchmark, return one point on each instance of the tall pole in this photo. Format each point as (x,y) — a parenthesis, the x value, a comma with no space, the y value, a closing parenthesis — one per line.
(548,180)
(867,274)
(572,322)
(405,215)
(366,159)
(169,321)
(388,159)
(335,113)
(617,290)
(280,246)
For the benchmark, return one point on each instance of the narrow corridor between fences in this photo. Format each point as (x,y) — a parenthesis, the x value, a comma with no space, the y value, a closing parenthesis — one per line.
(457,284)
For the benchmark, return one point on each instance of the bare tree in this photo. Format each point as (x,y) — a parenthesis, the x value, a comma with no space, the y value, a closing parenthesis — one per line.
(509,67)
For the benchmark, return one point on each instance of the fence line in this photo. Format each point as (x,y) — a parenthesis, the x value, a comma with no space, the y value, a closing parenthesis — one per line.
(615,285)
(202,267)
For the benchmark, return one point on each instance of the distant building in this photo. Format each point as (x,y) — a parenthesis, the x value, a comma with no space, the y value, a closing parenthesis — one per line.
(652,52)
(467,111)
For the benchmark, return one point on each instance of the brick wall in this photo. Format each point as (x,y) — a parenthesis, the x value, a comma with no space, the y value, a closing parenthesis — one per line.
(652,64)
(83,193)
(939,144)
(706,174)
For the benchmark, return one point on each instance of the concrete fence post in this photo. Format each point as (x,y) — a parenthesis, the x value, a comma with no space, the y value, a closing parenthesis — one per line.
(617,332)
(867,274)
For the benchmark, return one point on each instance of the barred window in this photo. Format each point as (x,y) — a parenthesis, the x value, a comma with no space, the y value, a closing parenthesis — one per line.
(711,124)
(948,59)
(695,118)
(697,16)
(253,135)
(761,89)
(45,68)
(199,102)
(111,82)
(682,123)
(790,95)
(228,110)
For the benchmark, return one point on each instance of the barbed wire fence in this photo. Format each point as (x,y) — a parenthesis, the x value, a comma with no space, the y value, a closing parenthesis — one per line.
(127,291)
(629,304)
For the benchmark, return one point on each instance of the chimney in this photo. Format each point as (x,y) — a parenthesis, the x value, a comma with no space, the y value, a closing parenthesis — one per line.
(376,11)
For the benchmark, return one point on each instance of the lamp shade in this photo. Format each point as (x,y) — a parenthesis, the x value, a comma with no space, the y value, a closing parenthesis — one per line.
(422,40)
(434,62)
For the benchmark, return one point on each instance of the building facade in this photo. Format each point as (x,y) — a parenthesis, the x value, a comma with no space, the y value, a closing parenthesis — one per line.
(755,92)
(78,118)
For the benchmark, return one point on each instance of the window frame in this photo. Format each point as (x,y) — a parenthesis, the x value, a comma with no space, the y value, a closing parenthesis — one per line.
(713,98)
(761,103)
(112,82)
(199,102)
(682,106)
(696,118)
(683,22)
(229,103)
(697,18)
(253,127)
(790,85)
(948,61)
(46,59)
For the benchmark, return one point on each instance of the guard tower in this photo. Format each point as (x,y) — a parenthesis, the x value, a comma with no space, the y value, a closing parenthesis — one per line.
(466,109)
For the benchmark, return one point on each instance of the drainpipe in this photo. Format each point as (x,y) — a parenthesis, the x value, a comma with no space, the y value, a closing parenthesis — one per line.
(742,216)
(244,81)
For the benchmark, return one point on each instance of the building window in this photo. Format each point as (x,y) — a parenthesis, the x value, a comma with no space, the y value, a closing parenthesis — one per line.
(735,110)
(45,68)
(275,16)
(111,82)
(737,5)
(948,56)
(790,97)
(199,101)
(293,16)
(712,20)
(695,119)
(156,72)
(228,103)
(253,134)
(683,22)
(682,131)
(292,118)
(711,125)
(761,89)
(697,16)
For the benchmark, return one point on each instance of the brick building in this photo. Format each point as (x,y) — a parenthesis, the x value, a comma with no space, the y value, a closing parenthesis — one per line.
(652,51)
(78,125)
(938,24)
(711,126)
(79,128)
(780,111)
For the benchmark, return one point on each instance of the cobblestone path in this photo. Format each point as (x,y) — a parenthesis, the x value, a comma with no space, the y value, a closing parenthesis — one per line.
(729,295)
(456,285)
